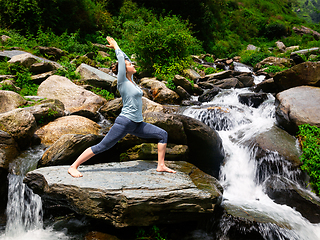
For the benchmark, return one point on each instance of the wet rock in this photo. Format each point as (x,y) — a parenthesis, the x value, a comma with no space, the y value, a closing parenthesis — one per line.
(190,103)
(284,191)
(278,140)
(20,124)
(66,125)
(267,86)
(129,193)
(3,194)
(229,83)
(182,93)
(160,92)
(183,82)
(95,77)
(307,73)
(293,107)
(246,79)
(209,95)
(252,99)
(149,151)
(9,149)
(10,100)
(67,148)
(246,223)
(74,97)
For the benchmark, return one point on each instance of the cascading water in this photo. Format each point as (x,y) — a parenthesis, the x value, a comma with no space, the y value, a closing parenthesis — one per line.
(237,124)
(24,208)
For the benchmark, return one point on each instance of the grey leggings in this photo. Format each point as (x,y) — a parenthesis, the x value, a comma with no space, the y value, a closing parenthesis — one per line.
(122,126)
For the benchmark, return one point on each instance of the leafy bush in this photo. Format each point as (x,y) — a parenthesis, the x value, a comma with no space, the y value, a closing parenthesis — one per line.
(310,143)
(275,30)
(68,69)
(103,93)
(251,57)
(163,42)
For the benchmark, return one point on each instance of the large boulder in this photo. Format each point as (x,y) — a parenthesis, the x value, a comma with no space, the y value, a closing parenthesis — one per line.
(95,77)
(183,82)
(67,148)
(20,124)
(129,193)
(9,149)
(66,125)
(160,92)
(74,97)
(46,110)
(25,59)
(297,106)
(10,100)
(284,191)
(307,73)
(205,145)
(278,140)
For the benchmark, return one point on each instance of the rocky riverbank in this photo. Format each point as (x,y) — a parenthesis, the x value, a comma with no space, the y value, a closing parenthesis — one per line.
(64,117)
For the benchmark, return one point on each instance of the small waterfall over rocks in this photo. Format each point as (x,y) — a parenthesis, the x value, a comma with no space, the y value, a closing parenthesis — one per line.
(24,208)
(247,211)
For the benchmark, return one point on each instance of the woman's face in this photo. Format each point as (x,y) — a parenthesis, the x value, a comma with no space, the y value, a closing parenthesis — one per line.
(130,67)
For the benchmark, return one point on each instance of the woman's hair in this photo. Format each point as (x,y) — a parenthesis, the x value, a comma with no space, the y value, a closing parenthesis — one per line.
(114,68)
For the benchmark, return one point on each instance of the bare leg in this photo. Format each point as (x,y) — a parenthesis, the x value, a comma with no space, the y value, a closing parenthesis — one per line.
(161,153)
(86,155)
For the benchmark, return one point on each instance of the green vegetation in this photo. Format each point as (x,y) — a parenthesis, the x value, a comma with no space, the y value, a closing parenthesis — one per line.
(275,69)
(310,143)
(150,233)
(103,93)
(22,79)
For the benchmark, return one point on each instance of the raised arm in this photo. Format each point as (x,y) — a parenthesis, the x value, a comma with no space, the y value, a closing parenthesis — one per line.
(121,56)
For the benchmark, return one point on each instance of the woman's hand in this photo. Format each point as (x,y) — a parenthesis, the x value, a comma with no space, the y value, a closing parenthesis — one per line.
(112,43)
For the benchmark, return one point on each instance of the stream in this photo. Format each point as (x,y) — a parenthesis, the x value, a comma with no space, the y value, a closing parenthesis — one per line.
(236,124)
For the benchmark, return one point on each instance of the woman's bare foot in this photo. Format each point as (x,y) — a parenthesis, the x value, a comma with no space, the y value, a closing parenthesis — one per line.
(74,172)
(165,169)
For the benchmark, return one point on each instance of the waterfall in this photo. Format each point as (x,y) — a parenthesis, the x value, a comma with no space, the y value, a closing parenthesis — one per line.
(24,208)
(237,124)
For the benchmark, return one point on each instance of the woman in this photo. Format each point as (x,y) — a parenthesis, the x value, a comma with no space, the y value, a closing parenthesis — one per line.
(130,119)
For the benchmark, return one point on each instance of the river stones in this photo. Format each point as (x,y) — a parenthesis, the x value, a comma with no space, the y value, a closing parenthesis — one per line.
(129,193)
(307,73)
(183,82)
(9,149)
(274,61)
(284,191)
(10,100)
(252,99)
(20,124)
(74,97)
(298,106)
(67,125)
(25,59)
(160,92)
(279,141)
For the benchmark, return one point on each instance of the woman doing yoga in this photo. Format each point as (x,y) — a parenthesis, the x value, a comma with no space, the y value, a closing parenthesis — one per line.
(130,119)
